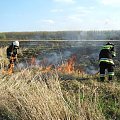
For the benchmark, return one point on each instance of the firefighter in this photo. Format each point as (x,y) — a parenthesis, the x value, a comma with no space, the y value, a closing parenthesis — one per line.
(12,52)
(106,61)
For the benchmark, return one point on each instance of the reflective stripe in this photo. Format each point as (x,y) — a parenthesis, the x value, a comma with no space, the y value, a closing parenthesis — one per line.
(111,73)
(107,47)
(106,60)
(102,75)
(103,58)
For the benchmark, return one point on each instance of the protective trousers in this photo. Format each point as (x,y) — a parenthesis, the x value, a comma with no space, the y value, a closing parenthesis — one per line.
(110,69)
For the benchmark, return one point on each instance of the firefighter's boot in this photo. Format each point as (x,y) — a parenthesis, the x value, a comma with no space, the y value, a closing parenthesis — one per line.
(102,79)
(110,77)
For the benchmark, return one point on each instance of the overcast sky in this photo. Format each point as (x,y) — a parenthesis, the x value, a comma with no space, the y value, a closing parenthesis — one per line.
(55,15)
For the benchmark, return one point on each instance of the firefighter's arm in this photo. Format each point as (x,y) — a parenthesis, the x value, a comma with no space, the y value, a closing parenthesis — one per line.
(113,52)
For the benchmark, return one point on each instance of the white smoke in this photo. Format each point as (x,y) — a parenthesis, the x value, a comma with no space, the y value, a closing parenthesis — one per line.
(91,70)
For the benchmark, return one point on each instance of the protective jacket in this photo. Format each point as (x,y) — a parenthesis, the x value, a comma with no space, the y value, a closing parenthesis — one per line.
(11,51)
(106,54)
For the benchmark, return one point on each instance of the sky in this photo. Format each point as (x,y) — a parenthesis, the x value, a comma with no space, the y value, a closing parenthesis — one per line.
(59,15)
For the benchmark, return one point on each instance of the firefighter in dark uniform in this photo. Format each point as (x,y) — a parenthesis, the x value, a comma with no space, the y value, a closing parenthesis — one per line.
(12,52)
(106,61)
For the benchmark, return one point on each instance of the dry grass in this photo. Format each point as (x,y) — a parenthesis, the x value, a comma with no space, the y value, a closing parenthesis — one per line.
(3,57)
(93,100)
(30,95)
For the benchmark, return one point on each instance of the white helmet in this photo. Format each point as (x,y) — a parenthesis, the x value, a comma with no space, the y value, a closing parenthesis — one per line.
(16,43)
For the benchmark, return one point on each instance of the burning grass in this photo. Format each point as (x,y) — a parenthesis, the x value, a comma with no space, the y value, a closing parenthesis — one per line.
(33,95)
(62,92)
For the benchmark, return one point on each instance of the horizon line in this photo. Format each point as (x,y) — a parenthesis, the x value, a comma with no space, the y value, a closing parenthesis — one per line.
(83,40)
(56,31)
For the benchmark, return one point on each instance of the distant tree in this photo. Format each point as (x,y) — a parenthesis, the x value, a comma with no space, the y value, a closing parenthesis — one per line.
(62,35)
(2,36)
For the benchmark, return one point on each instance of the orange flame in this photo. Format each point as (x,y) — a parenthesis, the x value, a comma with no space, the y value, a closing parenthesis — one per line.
(68,67)
(11,67)
(47,69)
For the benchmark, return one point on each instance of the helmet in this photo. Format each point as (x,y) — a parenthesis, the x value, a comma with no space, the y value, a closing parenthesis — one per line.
(109,43)
(16,43)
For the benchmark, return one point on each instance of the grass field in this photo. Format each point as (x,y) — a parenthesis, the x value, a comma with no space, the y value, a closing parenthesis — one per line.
(31,94)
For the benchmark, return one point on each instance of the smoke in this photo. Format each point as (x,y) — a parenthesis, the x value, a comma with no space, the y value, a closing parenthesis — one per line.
(91,70)
(55,58)
(86,54)
(21,65)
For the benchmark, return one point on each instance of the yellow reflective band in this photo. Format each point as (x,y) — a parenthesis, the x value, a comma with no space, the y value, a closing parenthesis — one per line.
(106,60)
(102,75)
(107,47)
(111,73)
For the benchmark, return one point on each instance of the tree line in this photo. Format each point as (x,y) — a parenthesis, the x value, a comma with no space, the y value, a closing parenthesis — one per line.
(61,35)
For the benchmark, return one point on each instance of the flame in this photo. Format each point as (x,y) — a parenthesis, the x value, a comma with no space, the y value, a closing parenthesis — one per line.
(46,69)
(70,64)
(11,67)
(68,67)
(10,70)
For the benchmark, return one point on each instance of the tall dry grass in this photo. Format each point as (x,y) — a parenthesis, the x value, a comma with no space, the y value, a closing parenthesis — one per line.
(3,57)
(31,95)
